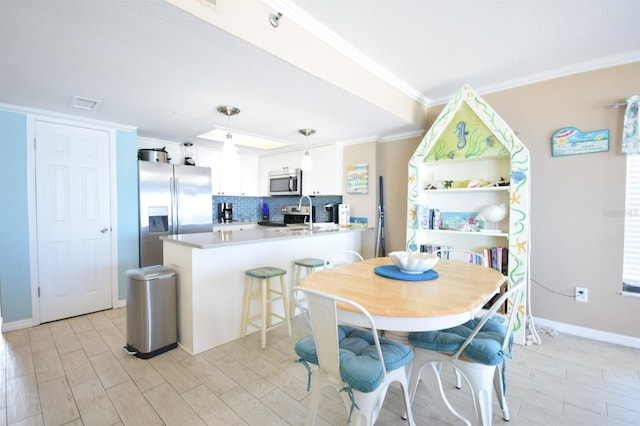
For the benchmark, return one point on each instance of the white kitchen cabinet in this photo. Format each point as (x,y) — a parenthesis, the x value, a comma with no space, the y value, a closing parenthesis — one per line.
(322,180)
(468,160)
(233,175)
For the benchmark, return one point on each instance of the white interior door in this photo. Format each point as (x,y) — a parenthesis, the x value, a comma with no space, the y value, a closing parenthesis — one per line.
(73,220)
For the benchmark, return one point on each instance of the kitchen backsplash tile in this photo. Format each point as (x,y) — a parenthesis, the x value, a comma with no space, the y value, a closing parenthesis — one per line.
(249,209)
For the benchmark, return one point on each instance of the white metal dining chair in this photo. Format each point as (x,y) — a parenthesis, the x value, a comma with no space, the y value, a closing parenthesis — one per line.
(477,350)
(464,256)
(355,362)
(342,258)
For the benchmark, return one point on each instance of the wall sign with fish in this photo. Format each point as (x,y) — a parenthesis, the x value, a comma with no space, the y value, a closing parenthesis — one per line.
(571,141)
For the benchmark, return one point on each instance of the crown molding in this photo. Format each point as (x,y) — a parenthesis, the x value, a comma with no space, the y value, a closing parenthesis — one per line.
(298,16)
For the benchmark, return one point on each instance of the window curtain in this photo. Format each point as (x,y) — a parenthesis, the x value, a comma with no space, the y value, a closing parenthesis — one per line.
(631,130)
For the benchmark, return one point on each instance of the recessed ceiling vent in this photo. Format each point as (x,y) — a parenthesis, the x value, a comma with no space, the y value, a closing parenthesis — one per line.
(84,103)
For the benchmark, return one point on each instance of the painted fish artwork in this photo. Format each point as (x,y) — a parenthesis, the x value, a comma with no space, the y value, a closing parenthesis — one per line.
(572,141)
(462,134)
(465,137)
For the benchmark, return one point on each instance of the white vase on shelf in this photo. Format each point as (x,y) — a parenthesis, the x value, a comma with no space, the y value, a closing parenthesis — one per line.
(493,215)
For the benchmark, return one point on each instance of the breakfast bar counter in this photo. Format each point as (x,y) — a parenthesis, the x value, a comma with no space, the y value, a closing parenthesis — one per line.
(211,267)
(221,238)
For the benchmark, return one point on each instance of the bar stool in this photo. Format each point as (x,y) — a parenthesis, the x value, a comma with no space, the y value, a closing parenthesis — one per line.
(309,264)
(266,295)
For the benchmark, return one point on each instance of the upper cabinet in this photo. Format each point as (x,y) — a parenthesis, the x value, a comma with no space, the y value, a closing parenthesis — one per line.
(468,188)
(322,180)
(234,174)
(230,175)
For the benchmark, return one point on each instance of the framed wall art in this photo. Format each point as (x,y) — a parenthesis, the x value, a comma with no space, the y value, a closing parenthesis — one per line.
(358,179)
(571,141)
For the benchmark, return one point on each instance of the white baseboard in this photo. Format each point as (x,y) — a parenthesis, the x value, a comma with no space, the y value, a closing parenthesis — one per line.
(589,333)
(16,325)
(27,323)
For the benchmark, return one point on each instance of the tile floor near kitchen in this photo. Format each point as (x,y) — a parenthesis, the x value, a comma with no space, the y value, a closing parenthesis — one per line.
(74,372)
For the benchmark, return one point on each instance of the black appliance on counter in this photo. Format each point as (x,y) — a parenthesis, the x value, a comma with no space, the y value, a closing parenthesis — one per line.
(292,216)
(225,212)
(332,212)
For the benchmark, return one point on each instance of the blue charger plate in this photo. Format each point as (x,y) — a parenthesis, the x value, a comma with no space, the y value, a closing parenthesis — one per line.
(392,271)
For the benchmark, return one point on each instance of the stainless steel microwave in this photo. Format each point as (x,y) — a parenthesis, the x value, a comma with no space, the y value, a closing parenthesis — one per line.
(285,182)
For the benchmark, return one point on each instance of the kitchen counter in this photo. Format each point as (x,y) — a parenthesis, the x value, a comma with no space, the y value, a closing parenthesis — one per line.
(220,238)
(211,267)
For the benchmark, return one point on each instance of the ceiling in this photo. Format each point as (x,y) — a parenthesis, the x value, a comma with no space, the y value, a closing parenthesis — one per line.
(355,70)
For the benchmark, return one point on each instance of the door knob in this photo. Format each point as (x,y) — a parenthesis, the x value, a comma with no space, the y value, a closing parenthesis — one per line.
(103,230)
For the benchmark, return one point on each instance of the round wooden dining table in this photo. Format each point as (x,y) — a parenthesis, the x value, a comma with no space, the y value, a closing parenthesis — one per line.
(460,290)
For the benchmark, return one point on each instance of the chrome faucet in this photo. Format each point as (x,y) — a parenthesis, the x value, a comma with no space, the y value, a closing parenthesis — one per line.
(310,210)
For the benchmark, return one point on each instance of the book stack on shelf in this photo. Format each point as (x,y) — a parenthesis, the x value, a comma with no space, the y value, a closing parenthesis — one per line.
(430,248)
(498,258)
(427,218)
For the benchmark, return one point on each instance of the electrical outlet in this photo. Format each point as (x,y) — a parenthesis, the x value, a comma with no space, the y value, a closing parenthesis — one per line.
(582,294)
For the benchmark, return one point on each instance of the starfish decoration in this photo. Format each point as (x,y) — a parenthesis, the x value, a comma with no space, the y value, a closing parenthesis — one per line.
(515,198)
(521,246)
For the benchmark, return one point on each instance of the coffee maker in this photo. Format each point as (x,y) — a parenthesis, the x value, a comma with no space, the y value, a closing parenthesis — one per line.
(332,212)
(225,212)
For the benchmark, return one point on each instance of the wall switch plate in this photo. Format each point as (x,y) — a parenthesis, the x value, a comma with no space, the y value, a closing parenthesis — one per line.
(582,294)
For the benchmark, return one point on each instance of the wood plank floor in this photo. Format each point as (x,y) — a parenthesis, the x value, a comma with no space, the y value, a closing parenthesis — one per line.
(74,372)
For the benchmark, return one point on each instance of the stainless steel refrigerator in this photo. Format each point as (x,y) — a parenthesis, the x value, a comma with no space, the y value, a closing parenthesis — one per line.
(173,199)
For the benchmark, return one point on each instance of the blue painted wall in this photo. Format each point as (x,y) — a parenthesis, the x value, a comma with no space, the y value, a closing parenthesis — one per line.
(127,199)
(15,280)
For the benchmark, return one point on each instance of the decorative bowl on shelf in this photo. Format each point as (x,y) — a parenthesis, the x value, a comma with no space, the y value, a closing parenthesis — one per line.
(413,263)
(492,215)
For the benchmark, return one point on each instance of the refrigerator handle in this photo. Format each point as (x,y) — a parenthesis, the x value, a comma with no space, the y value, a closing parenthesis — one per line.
(176,201)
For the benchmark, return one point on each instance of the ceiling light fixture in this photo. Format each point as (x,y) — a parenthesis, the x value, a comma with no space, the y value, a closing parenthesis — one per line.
(307,165)
(229,111)
(274,19)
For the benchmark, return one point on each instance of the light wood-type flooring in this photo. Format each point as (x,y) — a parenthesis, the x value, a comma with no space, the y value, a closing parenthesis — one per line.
(74,372)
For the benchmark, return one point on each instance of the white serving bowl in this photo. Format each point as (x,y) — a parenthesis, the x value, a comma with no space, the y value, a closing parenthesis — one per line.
(413,263)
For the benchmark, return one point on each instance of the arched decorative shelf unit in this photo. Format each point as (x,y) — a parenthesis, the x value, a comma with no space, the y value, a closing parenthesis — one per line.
(469,160)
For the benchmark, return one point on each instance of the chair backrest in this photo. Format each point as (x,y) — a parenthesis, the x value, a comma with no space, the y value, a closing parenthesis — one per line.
(301,303)
(463,255)
(323,314)
(515,292)
(342,258)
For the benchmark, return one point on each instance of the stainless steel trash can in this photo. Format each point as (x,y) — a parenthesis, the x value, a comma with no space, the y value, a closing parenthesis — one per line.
(151,311)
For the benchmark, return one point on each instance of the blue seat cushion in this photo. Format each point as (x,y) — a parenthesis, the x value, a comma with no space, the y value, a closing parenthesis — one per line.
(359,363)
(485,348)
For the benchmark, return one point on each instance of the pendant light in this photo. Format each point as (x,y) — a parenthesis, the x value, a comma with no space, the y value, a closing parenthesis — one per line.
(229,146)
(306,158)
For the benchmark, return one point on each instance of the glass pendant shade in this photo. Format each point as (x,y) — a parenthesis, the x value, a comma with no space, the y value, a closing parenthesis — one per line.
(307,165)
(306,158)
(229,147)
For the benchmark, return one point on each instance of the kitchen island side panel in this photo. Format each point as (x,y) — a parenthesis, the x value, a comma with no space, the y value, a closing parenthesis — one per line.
(179,258)
(211,282)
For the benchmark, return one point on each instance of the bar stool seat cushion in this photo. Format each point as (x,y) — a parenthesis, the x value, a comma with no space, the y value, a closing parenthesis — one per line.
(485,348)
(310,262)
(359,363)
(266,272)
